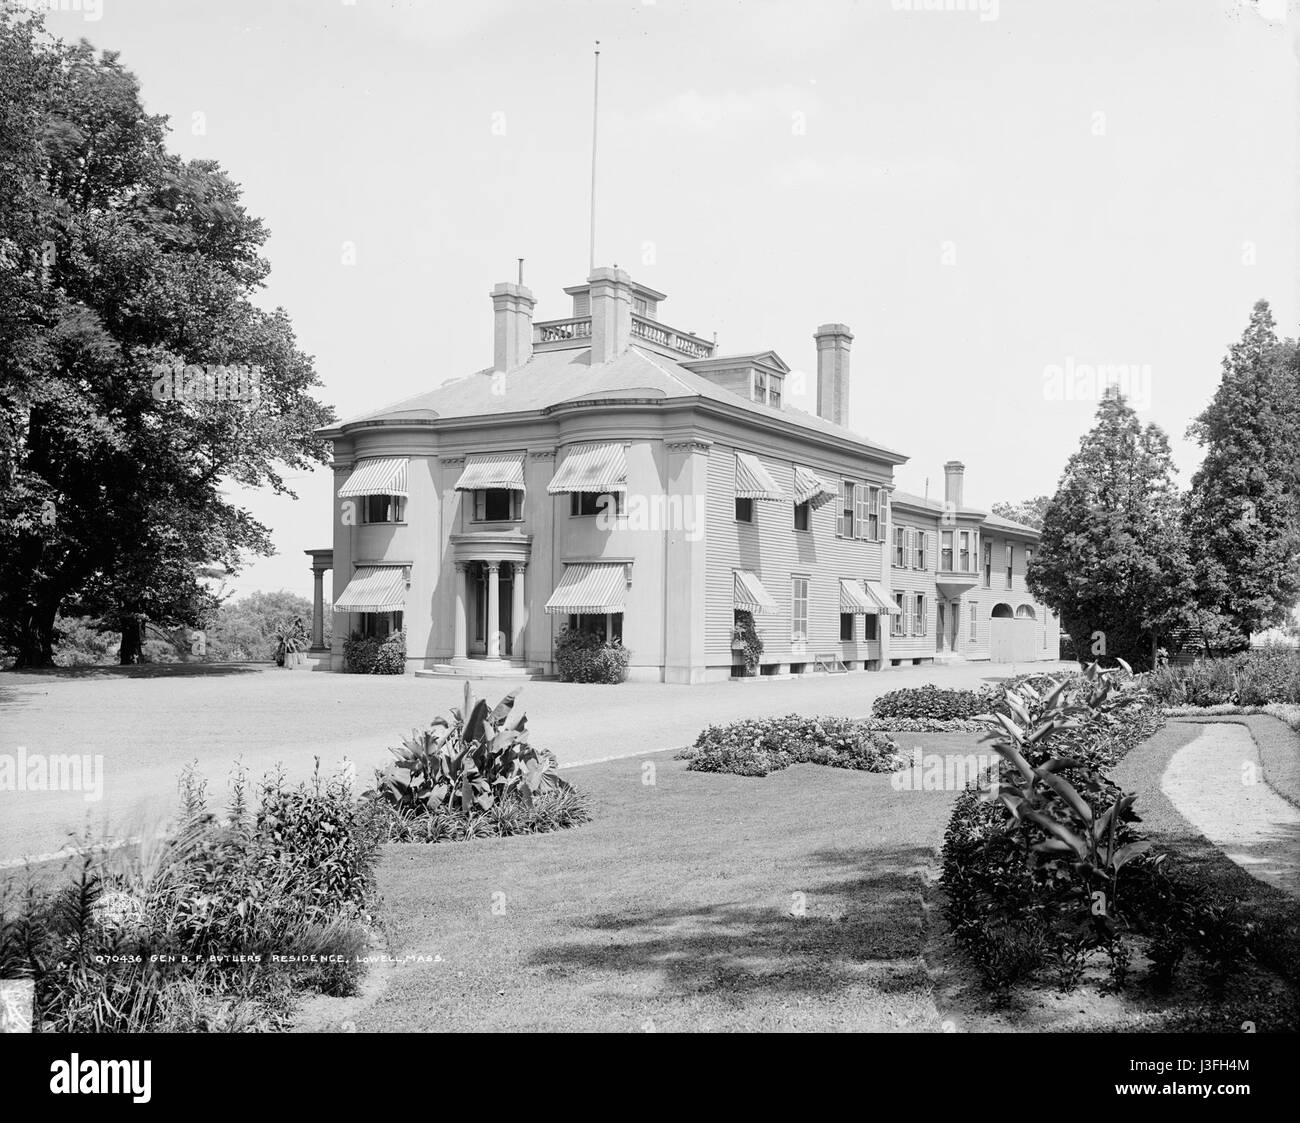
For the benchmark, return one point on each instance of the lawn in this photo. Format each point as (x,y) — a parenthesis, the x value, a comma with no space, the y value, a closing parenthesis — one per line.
(694,901)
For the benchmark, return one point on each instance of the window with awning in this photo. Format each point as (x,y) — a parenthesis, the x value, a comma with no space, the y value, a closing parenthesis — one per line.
(375,476)
(374,588)
(753,481)
(882,598)
(589,588)
(493,471)
(810,488)
(595,469)
(855,599)
(750,596)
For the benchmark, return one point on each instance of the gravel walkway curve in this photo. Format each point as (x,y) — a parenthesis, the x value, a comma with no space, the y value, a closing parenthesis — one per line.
(1217,784)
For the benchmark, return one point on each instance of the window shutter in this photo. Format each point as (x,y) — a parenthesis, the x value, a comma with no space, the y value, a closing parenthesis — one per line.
(860,505)
(480,505)
(932,551)
(839,523)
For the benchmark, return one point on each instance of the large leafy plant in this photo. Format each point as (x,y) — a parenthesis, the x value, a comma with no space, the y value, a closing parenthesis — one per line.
(478,759)
(1073,823)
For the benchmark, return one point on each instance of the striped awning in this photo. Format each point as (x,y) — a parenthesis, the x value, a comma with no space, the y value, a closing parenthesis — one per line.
(753,480)
(854,598)
(881,597)
(376,477)
(492,470)
(810,488)
(374,588)
(752,597)
(598,469)
(589,587)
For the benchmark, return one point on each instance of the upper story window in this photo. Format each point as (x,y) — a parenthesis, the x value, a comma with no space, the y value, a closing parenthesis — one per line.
(641,306)
(496,505)
(383,508)
(1029,559)
(744,510)
(964,555)
(802,516)
(900,546)
(860,512)
(919,560)
(1011,559)
(945,555)
(766,388)
(988,565)
(594,503)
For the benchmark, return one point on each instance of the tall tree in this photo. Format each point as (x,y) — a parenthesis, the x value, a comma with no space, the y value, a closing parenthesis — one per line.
(125,260)
(1243,513)
(1112,562)
(1027,511)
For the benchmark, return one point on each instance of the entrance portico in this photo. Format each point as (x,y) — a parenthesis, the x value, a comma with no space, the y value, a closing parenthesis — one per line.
(487,626)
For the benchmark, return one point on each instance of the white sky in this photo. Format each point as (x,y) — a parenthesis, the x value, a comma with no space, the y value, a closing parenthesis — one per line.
(979,199)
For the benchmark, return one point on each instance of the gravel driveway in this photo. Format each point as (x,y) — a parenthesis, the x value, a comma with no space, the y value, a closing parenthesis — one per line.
(147,722)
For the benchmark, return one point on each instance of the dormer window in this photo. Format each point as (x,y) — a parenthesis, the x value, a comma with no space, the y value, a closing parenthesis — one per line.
(641,306)
(766,388)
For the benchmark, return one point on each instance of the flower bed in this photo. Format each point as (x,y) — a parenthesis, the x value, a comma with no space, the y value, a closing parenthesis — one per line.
(757,747)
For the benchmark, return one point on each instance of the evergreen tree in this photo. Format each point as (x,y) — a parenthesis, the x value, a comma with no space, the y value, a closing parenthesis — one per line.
(1112,562)
(1243,513)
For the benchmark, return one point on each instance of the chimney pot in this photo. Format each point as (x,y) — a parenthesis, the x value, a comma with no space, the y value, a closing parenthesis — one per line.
(953,473)
(833,342)
(512,335)
(611,313)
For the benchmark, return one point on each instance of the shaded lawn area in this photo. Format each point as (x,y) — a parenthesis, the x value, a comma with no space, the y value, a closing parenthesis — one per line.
(677,908)
(1275,914)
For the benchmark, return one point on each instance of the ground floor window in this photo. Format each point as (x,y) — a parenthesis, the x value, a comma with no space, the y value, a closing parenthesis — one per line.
(798,609)
(920,628)
(974,617)
(605,626)
(846,627)
(898,620)
(869,628)
(377,625)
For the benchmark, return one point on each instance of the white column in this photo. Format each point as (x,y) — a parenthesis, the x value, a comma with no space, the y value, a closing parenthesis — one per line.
(517,613)
(494,611)
(461,638)
(318,610)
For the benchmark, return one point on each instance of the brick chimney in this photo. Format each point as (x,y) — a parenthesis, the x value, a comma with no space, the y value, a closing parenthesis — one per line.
(953,472)
(833,341)
(512,333)
(611,313)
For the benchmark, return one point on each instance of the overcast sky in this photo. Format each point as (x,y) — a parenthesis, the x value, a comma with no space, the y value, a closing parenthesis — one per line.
(982,195)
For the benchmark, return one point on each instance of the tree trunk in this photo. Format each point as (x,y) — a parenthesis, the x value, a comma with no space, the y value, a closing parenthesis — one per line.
(36,638)
(132,648)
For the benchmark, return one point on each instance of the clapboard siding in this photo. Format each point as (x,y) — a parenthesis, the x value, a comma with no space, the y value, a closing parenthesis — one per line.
(773,549)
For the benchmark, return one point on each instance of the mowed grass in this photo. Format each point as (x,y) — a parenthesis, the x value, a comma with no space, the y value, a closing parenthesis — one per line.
(693,901)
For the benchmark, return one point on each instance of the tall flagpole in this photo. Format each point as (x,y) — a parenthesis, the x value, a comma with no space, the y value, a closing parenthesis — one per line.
(595,106)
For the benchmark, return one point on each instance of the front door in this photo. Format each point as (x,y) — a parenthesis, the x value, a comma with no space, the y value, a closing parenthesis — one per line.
(505,599)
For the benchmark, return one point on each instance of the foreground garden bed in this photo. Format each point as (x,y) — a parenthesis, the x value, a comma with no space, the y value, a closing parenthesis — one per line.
(692,901)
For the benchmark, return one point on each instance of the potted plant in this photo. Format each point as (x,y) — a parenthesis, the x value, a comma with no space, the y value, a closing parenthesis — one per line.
(291,644)
(745,640)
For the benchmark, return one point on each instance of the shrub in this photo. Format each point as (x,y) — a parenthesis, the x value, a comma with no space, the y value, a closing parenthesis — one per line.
(746,636)
(474,772)
(1249,678)
(933,702)
(370,655)
(1045,866)
(390,659)
(290,877)
(583,657)
(759,746)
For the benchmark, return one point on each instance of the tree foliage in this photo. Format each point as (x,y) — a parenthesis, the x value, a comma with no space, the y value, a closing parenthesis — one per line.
(1112,562)
(118,258)
(1243,512)
(1030,512)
